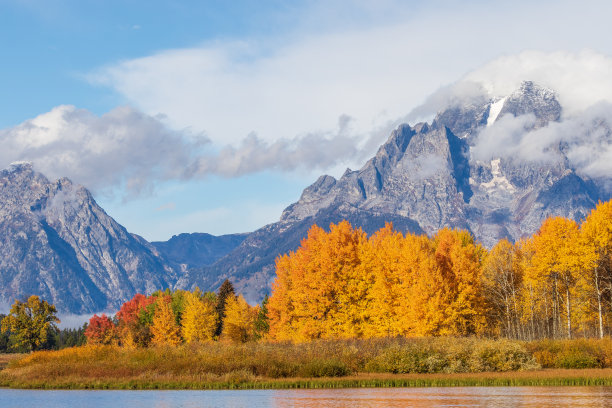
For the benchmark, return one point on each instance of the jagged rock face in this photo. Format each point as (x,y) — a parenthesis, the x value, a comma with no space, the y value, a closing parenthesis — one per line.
(422,179)
(420,173)
(56,242)
(533,99)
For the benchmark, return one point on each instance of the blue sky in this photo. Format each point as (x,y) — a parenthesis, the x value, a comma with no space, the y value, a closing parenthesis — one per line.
(212,116)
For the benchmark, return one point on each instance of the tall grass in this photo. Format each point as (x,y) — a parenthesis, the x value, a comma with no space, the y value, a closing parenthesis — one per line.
(329,363)
(579,353)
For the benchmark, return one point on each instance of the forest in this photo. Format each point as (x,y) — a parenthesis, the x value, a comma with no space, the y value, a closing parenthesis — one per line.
(343,284)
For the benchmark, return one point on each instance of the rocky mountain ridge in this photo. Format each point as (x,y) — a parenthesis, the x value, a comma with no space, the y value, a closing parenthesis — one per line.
(425,177)
(55,241)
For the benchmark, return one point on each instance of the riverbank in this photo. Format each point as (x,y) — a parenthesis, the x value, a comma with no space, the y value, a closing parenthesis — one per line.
(394,362)
(549,377)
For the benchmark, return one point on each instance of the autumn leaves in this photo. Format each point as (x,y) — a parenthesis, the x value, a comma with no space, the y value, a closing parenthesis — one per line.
(342,284)
(172,318)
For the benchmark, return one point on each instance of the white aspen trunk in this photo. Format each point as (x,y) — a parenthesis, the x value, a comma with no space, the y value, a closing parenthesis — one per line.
(569,312)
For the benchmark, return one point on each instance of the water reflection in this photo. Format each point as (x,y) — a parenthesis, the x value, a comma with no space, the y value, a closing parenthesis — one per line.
(449,397)
(501,397)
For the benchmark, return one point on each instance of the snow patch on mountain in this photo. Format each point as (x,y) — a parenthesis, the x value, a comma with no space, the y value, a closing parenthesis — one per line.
(494,111)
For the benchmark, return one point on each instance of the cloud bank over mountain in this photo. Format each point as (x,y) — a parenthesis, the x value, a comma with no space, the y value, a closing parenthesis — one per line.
(132,150)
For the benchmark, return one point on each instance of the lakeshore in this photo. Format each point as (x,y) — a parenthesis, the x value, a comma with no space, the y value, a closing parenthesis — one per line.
(153,381)
(372,363)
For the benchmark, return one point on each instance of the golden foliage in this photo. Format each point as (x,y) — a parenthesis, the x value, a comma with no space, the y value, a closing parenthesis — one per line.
(239,323)
(165,331)
(199,318)
(30,323)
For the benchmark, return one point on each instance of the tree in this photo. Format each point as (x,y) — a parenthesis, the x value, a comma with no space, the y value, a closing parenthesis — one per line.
(199,318)
(596,233)
(320,290)
(239,324)
(30,323)
(557,258)
(133,321)
(262,321)
(226,290)
(502,280)
(100,330)
(4,337)
(70,337)
(165,330)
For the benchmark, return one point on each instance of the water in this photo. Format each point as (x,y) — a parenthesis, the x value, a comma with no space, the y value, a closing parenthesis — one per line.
(501,397)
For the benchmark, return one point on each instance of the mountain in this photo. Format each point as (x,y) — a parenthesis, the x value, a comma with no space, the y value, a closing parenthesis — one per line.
(496,166)
(428,176)
(56,242)
(197,249)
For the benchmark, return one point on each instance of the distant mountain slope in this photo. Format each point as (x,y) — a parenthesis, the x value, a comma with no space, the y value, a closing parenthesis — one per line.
(56,242)
(198,249)
(426,177)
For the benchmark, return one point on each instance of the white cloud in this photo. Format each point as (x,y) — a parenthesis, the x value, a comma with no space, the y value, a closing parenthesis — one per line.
(122,147)
(283,103)
(375,70)
(580,80)
(586,140)
(130,149)
(72,321)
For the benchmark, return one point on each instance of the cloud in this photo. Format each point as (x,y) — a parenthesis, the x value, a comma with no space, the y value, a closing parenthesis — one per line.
(371,62)
(319,150)
(580,80)
(280,102)
(130,149)
(121,148)
(584,138)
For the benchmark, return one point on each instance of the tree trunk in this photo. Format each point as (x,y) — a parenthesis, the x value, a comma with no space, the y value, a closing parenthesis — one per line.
(599,307)
(569,312)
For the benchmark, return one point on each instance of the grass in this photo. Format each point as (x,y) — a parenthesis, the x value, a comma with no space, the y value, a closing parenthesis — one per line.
(394,362)
(6,358)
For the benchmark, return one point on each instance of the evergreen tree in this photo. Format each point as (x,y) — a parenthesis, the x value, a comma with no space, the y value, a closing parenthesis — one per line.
(262,321)
(226,290)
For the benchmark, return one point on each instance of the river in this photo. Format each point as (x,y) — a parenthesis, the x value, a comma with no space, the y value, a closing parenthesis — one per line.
(499,397)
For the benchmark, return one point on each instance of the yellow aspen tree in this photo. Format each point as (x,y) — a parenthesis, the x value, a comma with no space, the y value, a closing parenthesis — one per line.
(165,330)
(458,260)
(557,256)
(239,323)
(351,283)
(280,306)
(596,234)
(199,318)
(502,279)
(381,265)
(424,290)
